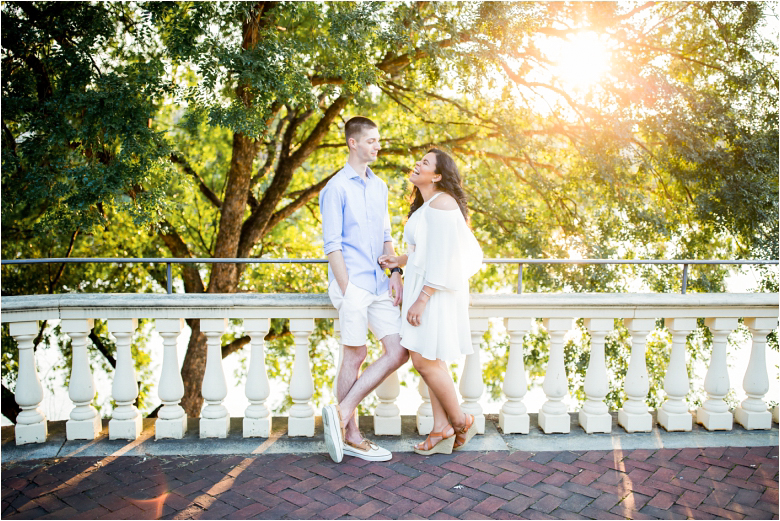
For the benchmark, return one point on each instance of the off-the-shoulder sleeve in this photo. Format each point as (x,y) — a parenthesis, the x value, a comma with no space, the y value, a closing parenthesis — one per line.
(446,250)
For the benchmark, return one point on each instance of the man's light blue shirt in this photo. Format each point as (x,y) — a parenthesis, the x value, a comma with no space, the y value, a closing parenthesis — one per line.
(355,220)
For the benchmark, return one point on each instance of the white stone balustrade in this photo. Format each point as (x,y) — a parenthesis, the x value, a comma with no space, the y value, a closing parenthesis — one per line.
(673,414)
(257,417)
(513,417)
(301,421)
(171,418)
(84,422)
(31,422)
(126,421)
(635,415)
(471,385)
(714,414)
(594,415)
(638,311)
(214,418)
(753,412)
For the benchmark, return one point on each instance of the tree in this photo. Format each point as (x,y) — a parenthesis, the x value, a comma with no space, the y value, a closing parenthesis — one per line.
(211,125)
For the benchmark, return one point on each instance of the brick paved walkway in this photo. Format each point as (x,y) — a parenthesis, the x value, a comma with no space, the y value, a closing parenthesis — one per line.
(709,483)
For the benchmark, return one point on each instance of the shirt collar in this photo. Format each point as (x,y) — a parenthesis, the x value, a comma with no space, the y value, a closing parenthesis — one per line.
(352,174)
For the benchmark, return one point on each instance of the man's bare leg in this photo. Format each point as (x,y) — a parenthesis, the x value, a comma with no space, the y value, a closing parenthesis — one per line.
(349,372)
(355,388)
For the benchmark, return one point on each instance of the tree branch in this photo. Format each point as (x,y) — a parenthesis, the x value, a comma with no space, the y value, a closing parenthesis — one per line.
(303,197)
(192,281)
(235,345)
(102,348)
(204,189)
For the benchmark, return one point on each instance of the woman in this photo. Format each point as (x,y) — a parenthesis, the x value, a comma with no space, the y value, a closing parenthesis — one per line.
(443,254)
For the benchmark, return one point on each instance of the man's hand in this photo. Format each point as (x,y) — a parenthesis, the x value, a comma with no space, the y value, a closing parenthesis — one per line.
(396,288)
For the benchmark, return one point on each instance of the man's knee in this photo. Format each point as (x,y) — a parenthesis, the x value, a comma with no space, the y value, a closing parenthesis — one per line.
(354,356)
(395,351)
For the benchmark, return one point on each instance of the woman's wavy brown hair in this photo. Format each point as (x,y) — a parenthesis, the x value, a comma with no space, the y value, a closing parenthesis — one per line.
(450,183)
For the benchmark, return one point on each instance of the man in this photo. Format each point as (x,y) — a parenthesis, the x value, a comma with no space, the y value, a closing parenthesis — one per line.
(356,231)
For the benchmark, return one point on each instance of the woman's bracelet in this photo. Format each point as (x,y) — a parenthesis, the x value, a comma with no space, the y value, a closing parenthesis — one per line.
(429,295)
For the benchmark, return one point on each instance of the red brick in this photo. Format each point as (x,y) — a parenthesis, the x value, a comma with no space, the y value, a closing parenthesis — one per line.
(530,479)
(382,495)
(338,510)
(476,480)
(565,467)
(369,509)
(586,477)
(557,479)
(428,508)
(399,508)
(547,504)
(459,506)
(721,512)
(536,467)
(662,500)
(489,505)
(394,482)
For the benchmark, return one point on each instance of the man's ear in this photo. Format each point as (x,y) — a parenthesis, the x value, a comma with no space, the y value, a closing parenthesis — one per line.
(351,143)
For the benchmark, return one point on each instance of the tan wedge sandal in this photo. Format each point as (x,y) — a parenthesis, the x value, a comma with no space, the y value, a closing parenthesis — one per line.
(465,433)
(444,446)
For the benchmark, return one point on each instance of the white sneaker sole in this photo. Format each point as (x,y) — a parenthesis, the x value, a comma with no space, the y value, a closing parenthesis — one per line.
(349,451)
(330,423)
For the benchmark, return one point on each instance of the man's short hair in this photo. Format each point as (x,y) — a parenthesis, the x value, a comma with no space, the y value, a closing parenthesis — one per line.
(356,126)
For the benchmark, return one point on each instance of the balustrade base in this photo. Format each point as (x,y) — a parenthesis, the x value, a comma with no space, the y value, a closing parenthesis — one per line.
(672,422)
(257,427)
(751,420)
(635,422)
(715,421)
(31,433)
(424,424)
(776,414)
(83,429)
(124,429)
(554,423)
(591,423)
(170,429)
(514,423)
(387,425)
(214,428)
(300,427)
(479,420)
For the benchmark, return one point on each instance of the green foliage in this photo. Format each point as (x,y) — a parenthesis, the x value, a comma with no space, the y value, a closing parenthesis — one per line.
(122,125)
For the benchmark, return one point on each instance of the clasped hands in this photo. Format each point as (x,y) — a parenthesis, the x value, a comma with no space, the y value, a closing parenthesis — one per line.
(415,312)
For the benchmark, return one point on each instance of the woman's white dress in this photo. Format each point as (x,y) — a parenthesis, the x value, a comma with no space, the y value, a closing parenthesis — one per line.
(445,255)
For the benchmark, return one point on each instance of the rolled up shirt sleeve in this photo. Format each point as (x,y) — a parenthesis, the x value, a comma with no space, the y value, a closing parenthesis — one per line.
(388,235)
(331,209)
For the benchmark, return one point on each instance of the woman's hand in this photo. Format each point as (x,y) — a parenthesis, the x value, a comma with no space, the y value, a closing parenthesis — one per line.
(415,312)
(388,262)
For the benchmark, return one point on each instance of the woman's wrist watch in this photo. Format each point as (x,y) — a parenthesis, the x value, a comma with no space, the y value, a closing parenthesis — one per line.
(396,270)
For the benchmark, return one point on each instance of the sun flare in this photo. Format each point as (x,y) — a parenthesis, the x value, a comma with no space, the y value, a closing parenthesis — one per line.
(581,60)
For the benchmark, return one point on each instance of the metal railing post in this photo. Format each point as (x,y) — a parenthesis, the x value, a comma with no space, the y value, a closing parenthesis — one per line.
(170,281)
(519,278)
(685,278)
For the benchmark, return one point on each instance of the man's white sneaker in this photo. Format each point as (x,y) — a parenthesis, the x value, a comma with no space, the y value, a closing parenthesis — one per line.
(367,450)
(332,425)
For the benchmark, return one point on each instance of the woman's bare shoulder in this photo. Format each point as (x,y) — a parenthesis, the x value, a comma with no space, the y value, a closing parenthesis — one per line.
(445,202)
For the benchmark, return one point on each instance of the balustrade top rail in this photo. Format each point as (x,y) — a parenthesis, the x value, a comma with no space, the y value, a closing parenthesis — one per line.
(169,261)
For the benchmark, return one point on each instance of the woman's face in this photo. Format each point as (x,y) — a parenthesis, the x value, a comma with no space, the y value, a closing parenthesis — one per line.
(424,173)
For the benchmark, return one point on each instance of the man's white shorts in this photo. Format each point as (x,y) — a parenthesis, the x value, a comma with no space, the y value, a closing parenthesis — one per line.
(360,310)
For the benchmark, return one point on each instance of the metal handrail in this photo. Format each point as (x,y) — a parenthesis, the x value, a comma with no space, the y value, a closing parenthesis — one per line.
(520,262)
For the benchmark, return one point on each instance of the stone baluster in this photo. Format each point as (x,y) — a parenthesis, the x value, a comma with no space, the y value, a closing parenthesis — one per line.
(635,416)
(171,418)
(752,413)
(301,419)
(84,422)
(126,422)
(31,426)
(594,415)
(673,414)
(471,384)
(513,417)
(257,417)
(387,416)
(714,414)
(553,417)
(425,410)
(214,418)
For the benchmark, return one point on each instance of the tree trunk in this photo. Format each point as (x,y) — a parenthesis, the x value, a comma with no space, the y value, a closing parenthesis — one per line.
(193,369)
